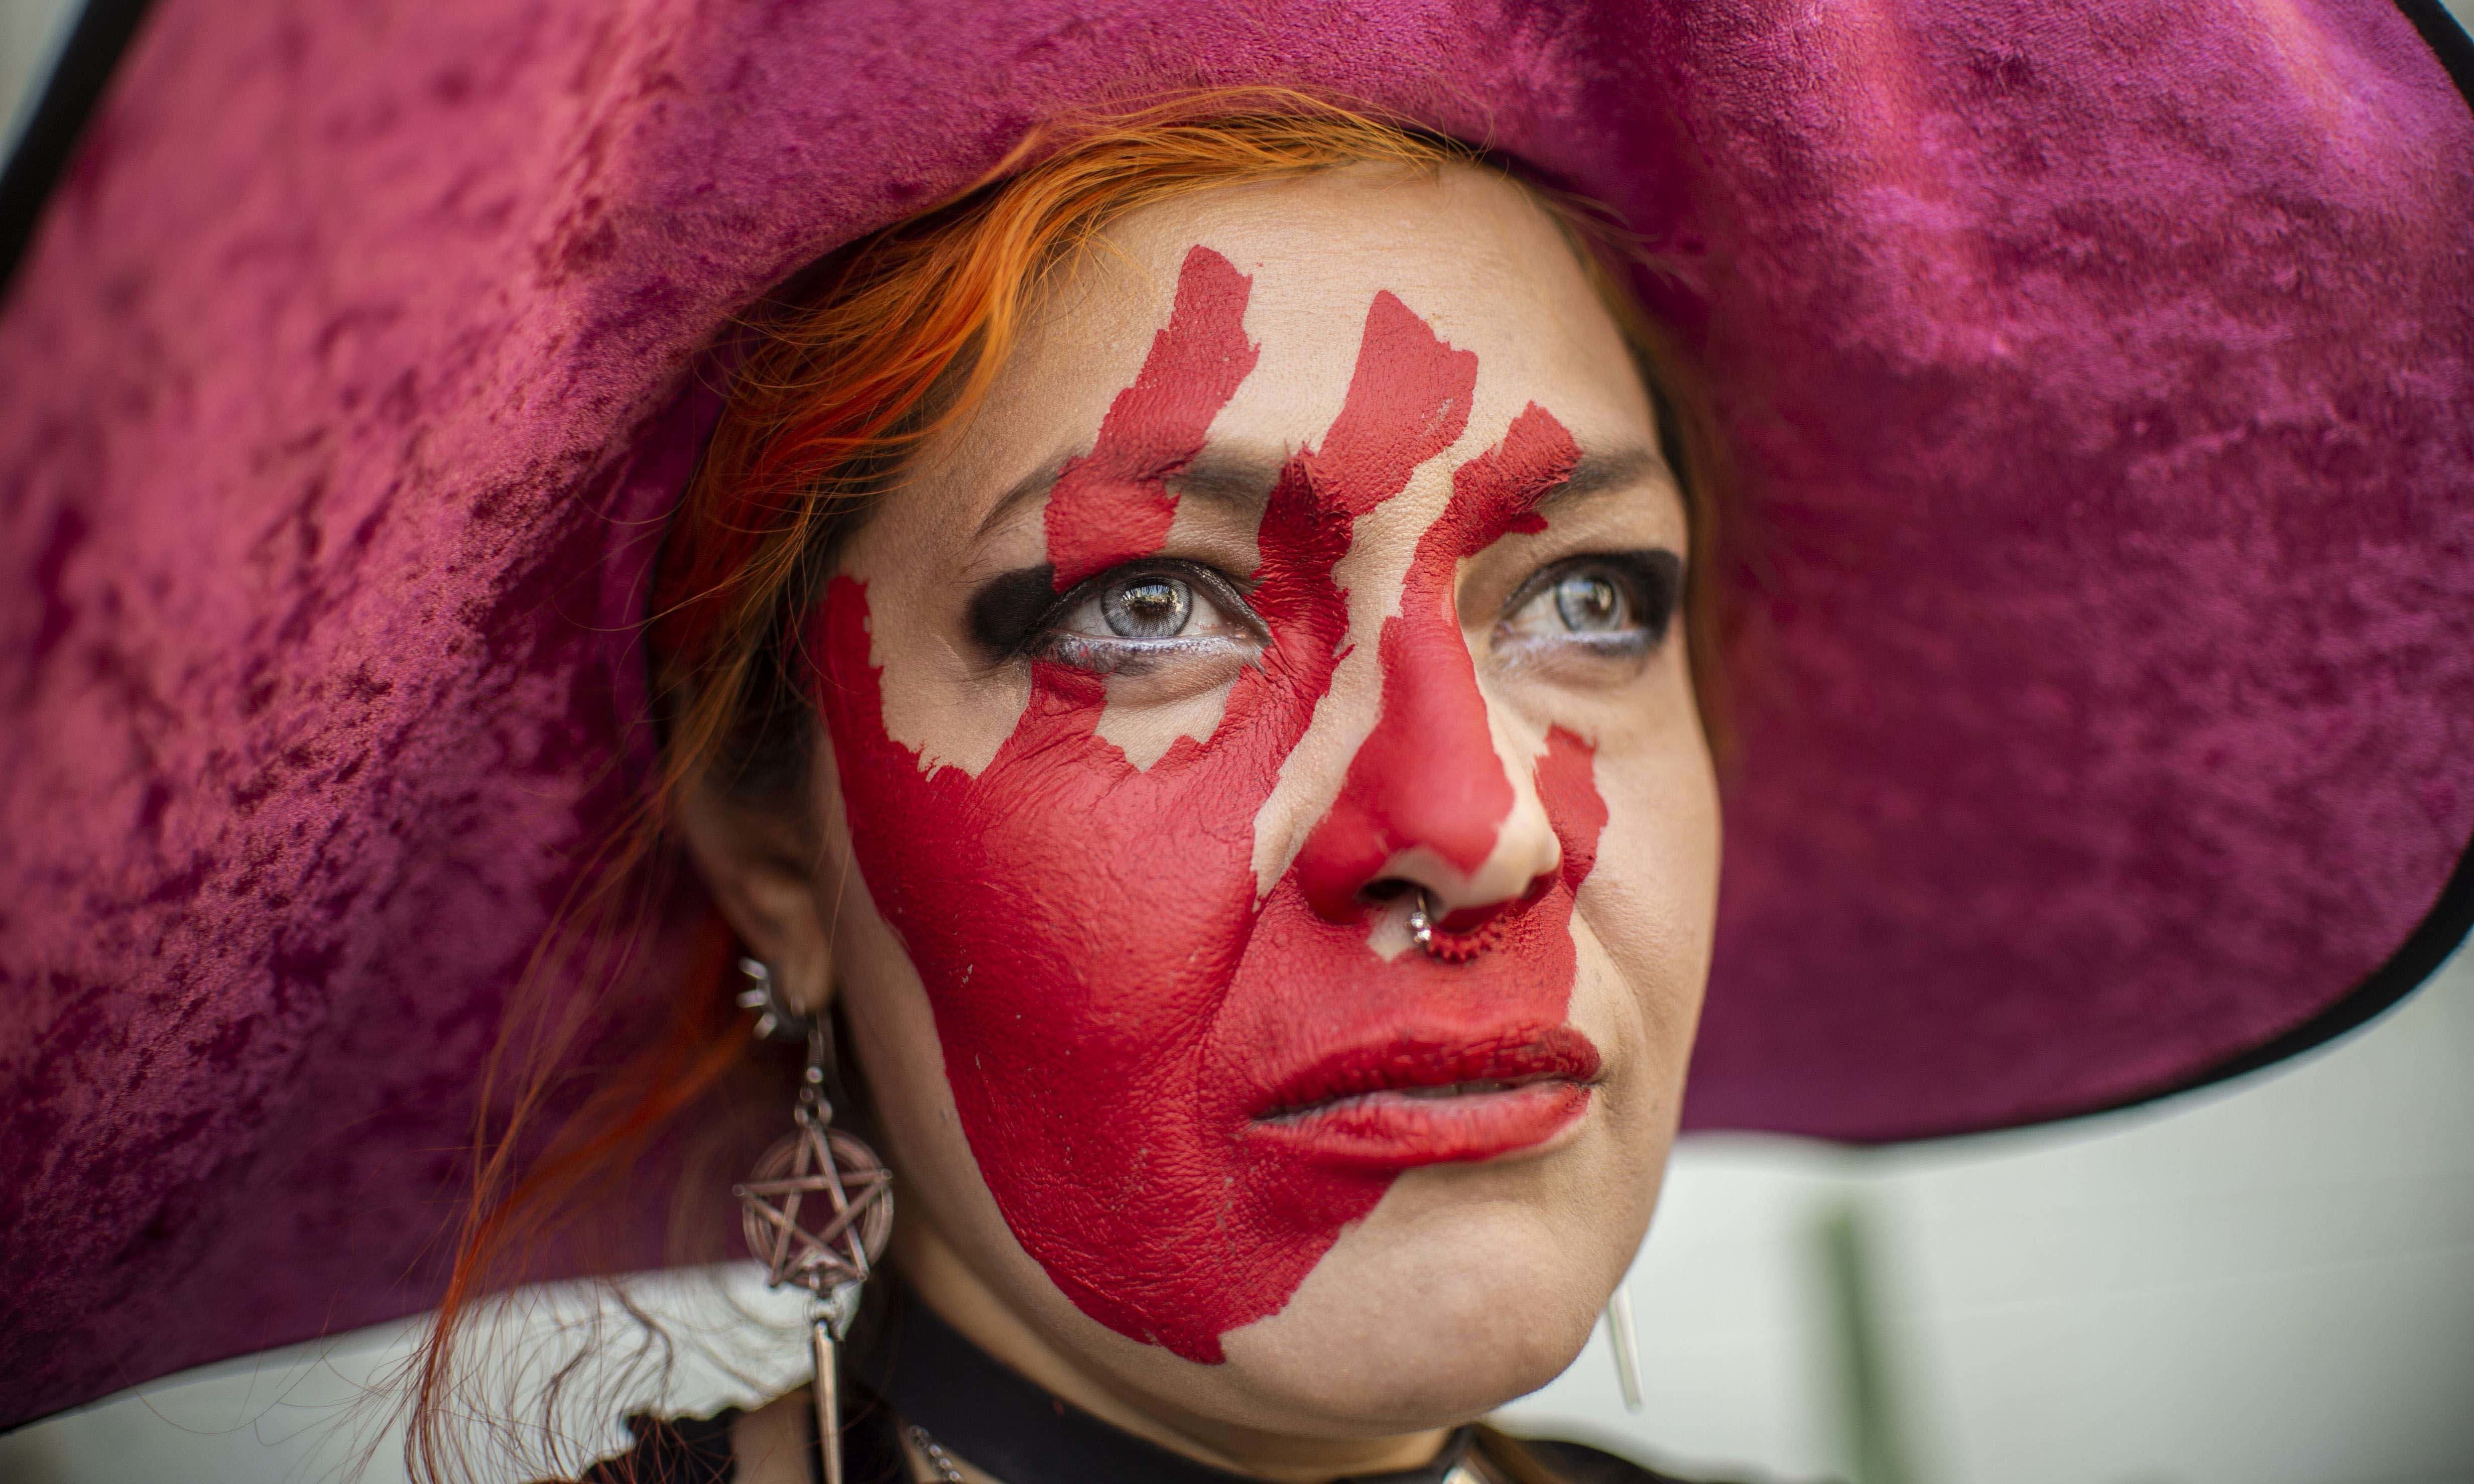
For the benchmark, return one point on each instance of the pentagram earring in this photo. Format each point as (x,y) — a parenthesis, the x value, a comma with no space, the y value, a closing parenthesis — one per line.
(831,1246)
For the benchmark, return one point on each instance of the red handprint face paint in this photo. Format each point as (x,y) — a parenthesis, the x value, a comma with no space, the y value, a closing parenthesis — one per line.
(1179,1087)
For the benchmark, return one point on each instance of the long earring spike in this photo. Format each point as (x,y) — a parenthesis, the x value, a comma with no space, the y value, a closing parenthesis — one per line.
(1626,1344)
(830,1247)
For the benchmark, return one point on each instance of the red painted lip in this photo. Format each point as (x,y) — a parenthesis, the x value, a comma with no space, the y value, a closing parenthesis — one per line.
(1392,1104)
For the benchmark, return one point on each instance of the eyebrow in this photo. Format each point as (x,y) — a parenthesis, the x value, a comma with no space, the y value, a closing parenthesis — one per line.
(1236,475)
(1612,469)
(1240,477)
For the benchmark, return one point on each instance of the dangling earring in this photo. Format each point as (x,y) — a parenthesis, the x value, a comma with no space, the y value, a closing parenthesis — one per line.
(852,1193)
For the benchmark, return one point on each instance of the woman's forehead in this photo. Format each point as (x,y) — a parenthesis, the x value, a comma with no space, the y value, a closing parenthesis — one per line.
(1467,251)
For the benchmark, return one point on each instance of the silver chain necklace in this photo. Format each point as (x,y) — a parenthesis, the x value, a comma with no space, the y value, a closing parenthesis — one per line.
(947,1472)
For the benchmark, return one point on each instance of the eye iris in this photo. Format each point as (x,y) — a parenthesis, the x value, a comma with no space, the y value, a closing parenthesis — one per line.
(1590,603)
(1147,608)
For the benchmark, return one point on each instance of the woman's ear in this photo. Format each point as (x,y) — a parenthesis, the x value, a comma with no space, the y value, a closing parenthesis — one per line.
(758,859)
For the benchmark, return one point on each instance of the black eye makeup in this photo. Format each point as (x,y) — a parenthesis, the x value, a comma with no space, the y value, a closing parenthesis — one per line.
(1123,622)
(1007,610)
(1136,618)
(1613,605)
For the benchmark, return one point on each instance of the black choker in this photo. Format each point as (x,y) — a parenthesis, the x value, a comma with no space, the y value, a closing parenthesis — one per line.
(928,1374)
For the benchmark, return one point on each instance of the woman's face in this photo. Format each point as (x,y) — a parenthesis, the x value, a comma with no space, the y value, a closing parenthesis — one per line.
(1313,552)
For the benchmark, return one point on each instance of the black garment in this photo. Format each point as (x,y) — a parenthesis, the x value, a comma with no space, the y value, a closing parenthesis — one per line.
(910,1367)
(683,1450)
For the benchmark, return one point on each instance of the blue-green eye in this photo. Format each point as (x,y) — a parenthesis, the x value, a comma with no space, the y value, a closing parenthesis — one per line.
(1146,616)
(1151,606)
(1615,604)
(1591,602)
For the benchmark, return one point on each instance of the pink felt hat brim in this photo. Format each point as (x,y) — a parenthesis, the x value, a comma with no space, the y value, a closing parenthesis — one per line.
(2100,381)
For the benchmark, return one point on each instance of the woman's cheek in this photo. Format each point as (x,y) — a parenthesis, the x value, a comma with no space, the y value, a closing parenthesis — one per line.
(1651,905)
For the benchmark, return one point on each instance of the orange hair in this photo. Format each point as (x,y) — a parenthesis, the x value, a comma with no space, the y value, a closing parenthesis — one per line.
(840,378)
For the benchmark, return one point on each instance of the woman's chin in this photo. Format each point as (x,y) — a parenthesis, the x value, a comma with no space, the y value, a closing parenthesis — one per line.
(1466,1288)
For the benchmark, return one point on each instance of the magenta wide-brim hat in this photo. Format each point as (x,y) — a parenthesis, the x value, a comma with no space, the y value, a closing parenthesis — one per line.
(2099,380)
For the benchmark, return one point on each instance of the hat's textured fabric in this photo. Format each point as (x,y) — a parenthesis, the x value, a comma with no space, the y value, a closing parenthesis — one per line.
(2100,379)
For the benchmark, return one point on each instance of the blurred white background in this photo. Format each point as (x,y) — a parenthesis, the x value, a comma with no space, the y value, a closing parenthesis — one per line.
(2267,1282)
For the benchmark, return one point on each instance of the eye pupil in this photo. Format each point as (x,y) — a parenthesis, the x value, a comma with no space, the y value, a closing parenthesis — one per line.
(1590,603)
(1147,608)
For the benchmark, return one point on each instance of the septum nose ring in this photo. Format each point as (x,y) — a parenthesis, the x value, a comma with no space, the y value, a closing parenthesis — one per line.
(1421,921)
(1426,929)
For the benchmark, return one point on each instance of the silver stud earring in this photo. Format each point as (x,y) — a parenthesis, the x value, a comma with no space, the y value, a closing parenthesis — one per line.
(820,1206)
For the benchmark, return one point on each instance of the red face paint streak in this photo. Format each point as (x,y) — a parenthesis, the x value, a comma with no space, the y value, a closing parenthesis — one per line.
(1112,504)
(1567,786)
(1427,775)
(1127,1031)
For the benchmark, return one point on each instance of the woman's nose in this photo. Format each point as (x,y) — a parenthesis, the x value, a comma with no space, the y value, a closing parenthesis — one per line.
(1427,802)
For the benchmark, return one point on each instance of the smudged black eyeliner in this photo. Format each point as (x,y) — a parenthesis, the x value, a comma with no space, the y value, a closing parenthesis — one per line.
(1013,612)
